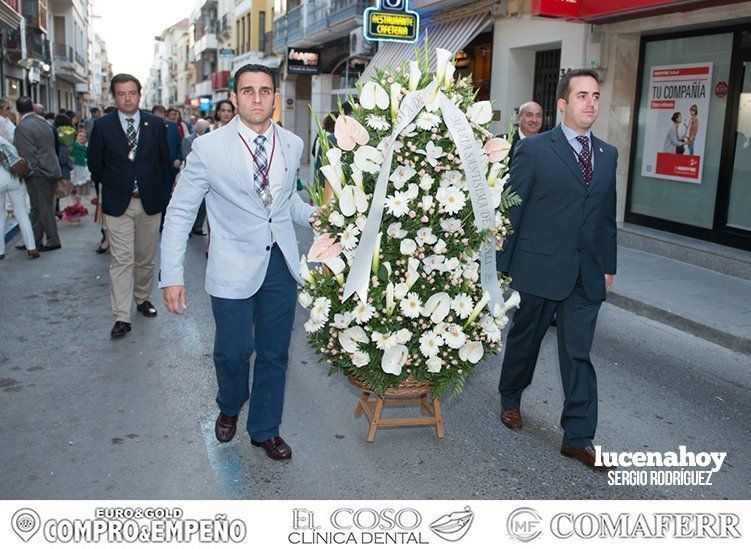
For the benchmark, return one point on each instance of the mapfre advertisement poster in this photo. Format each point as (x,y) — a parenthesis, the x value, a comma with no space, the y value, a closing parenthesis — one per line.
(676,128)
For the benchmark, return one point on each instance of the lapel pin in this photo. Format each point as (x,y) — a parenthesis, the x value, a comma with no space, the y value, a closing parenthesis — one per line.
(601,149)
(146,124)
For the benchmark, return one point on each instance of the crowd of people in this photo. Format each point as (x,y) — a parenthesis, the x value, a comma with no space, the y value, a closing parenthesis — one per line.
(44,155)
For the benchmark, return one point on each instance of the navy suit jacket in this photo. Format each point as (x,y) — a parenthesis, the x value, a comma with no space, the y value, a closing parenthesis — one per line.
(564,229)
(109,165)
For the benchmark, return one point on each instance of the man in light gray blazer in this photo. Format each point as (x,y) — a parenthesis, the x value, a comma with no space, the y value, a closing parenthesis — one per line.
(36,143)
(246,171)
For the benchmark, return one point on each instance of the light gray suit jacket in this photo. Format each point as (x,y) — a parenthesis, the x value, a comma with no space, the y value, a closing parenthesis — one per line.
(35,141)
(218,168)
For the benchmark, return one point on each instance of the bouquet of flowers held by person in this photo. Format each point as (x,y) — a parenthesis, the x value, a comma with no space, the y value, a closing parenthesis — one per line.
(405,281)
(67,135)
(76,211)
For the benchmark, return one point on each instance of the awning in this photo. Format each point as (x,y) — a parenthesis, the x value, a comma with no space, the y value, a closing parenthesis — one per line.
(451,36)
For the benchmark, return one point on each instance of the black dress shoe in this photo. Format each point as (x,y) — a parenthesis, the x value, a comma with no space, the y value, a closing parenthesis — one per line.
(198,232)
(274,447)
(147,309)
(120,329)
(20,247)
(101,250)
(49,248)
(225,427)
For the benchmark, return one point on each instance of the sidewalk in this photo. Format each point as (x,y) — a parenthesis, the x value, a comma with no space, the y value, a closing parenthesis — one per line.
(702,302)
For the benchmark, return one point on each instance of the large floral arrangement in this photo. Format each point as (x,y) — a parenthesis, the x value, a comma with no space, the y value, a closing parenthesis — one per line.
(425,313)
(67,135)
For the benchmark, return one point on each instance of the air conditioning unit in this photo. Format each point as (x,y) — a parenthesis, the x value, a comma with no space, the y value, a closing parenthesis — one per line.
(358,45)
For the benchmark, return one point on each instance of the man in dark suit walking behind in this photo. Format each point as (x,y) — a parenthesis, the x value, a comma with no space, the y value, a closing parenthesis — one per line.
(35,142)
(562,258)
(128,154)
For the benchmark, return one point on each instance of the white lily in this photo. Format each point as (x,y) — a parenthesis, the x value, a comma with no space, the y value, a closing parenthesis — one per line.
(357,176)
(360,359)
(367,159)
(480,113)
(352,200)
(372,96)
(438,306)
(512,302)
(448,78)
(350,337)
(442,59)
(390,302)
(414,75)
(334,177)
(472,352)
(431,96)
(396,98)
(394,359)
(432,153)
(305,273)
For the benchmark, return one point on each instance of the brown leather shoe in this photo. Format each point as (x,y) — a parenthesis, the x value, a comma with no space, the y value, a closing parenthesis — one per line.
(33,254)
(275,448)
(146,308)
(225,427)
(586,455)
(512,418)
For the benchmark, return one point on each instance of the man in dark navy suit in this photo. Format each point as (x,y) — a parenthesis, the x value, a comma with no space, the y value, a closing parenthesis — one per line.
(561,257)
(128,155)
(174,142)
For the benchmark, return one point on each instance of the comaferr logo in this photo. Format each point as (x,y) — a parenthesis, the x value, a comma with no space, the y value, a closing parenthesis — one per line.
(642,525)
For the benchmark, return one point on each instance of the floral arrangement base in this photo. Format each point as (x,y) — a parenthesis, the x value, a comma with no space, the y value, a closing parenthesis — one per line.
(409,391)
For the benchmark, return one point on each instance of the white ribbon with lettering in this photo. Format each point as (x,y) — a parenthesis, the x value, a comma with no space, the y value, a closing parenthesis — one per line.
(482,205)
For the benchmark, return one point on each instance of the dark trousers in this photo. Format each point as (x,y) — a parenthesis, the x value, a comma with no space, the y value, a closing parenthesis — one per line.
(261,323)
(576,317)
(43,221)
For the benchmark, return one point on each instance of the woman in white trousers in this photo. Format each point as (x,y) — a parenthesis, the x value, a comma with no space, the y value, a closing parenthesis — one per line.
(16,191)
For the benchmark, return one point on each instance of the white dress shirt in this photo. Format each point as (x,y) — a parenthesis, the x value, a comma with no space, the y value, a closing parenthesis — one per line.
(136,122)
(572,135)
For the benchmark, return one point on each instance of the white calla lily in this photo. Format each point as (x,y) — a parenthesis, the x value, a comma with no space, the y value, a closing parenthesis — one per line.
(512,302)
(368,159)
(394,359)
(431,96)
(350,337)
(372,96)
(305,273)
(352,200)
(478,308)
(480,113)
(390,301)
(448,78)
(437,307)
(349,133)
(472,352)
(396,98)
(414,75)
(442,59)
(333,176)
(495,171)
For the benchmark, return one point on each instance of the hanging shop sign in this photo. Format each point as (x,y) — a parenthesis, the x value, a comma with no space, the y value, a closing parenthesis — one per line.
(391,21)
(302,61)
(677,118)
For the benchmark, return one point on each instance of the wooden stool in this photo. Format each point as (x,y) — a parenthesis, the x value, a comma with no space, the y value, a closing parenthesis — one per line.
(410,391)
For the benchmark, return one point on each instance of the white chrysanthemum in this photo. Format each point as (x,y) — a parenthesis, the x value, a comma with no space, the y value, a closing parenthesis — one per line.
(454,337)
(411,305)
(401,175)
(462,305)
(452,199)
(395,231)
(377,122)
(426,182)
(342,320)
(397,204)
(451,225)
(434,364)
(427,121)
(336,219)
(426,236)
(312,327)
(320,310)
(305,299)
(430,343)
(363,312)
(407,247)
(360,359)
(349,236)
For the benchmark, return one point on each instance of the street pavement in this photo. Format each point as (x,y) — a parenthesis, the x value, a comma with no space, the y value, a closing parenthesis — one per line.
(87,417)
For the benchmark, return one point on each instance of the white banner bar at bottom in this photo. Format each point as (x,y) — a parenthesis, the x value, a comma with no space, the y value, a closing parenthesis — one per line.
(329,523)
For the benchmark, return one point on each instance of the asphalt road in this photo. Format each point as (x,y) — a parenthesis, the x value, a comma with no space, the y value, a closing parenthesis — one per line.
(87,417)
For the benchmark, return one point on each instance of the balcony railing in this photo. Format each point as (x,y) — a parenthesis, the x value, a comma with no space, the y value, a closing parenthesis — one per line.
(340,10)
(223,25)
(295,27)
(37,45)
(280,34)
(314,17)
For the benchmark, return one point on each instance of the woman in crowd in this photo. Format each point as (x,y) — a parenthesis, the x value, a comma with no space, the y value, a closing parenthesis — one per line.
(7,120)
(15,189)
(225,111)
